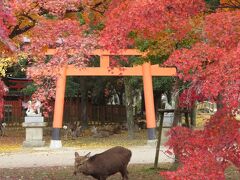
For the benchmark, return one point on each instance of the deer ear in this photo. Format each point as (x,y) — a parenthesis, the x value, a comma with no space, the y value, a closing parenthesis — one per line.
(76,154)
(88,155)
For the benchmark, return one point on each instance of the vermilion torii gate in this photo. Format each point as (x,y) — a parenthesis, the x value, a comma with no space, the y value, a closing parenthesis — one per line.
(146,70)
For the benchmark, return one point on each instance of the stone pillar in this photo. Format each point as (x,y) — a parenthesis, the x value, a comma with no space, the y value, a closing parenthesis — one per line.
(34,131)
(167,124)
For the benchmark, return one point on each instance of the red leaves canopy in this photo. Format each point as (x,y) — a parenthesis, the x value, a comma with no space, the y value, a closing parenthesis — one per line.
(72,47)
(222,29)
(213,67)
(146,17)
(67,36)
(6,19)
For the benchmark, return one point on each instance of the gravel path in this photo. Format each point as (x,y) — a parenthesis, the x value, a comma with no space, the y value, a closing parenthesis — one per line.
(42,157)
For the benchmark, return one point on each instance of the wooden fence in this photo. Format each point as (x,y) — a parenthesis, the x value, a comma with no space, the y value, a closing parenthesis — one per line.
(14,113)
(103,114)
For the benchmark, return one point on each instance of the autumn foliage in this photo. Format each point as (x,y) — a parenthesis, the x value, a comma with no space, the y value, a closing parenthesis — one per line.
(213,67)
(45,24)
(147,18)
(209,64)
(210,67)
(71,46)
(7,19)
(205,154)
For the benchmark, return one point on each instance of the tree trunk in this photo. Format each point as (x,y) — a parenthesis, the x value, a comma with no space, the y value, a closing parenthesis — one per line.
(120,95)
(176,120)
(157,102)
(129,107)
(142,103)
(84,100)
(194,115)
(177,111)
(219,102)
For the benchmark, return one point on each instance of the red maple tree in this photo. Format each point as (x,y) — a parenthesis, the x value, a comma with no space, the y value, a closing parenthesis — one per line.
(211,67)
(46,24)
(71,46)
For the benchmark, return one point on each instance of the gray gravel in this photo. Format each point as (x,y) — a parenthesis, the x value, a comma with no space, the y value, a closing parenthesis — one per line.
(42,157)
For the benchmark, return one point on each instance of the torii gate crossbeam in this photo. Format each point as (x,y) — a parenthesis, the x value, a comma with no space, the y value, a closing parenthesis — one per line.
(146,70)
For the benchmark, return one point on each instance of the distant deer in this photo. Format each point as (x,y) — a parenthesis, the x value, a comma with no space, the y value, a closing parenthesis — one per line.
(2,128)
(106,131)
(73,130)
(113,128)
(97,133)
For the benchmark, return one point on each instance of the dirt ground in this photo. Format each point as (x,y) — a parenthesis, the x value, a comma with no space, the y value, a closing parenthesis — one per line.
(136,172)
(14,137)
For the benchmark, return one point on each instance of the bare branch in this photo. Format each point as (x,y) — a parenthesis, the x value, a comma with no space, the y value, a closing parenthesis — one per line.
(231,4)
(228,6)
(17,30)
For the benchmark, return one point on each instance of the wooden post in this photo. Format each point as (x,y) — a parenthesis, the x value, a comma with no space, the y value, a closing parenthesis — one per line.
(159,140)
(104,61)
(187,119)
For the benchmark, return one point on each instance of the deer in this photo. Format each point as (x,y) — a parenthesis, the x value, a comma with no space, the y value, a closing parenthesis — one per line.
(2,128)
(105,164)
(73,129)
(96,133)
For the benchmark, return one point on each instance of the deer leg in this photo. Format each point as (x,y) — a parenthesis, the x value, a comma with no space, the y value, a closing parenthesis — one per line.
(124,174)
(102,178)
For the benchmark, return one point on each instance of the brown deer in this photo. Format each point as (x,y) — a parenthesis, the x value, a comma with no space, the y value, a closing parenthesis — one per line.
(98,133)
(105,131)
(105,164)
(73,130)
(2,128)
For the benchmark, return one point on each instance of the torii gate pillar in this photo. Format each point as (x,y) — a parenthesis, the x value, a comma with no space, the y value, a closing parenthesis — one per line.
(149,100)
(58,110)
